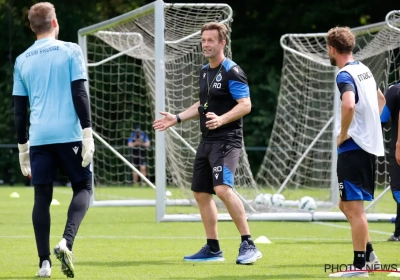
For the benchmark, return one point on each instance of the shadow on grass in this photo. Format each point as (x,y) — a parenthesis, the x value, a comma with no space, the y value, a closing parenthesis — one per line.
(250,277)
(179,262)
(315,242)
(284,266)
(129,263)
(30,278)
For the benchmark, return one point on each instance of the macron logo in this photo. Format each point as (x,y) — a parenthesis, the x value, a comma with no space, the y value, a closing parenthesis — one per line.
(216,171)
(75,149)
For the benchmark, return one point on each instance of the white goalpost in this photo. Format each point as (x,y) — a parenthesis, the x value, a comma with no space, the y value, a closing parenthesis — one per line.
(148,60)
(393,20)
(139,64)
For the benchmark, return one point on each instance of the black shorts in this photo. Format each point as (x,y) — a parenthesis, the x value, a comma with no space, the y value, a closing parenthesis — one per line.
(356,175)
(214,165)
(139,157)
(394,173)
(46,159)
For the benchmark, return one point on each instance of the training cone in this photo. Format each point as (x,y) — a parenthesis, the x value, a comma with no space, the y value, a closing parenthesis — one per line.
(55,202)
(262,240)
(14,194)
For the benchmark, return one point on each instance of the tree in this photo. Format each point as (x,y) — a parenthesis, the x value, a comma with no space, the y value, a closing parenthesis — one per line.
(257,28)
(72,15)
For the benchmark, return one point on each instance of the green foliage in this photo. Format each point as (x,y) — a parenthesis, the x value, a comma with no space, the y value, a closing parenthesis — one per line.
(17,37)
(255,44)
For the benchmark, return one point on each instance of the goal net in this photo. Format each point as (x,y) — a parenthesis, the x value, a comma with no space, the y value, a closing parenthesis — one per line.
(122,69)
(301,156)
(125,64)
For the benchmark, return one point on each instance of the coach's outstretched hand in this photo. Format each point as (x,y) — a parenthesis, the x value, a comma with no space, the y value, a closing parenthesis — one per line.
(24,160)
(163,123)
(87,146)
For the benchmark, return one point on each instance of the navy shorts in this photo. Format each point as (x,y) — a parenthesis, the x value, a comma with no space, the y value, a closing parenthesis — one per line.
(46,159)
(394,173)
(356,175)
(214,165)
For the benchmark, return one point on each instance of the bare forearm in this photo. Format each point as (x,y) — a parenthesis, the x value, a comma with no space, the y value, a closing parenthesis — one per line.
(381,101)
(347,117)
(190,113)
(237,112)
(146,144)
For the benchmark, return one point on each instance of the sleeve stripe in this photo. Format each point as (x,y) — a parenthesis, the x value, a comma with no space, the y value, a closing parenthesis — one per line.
(385,115)
(238,89)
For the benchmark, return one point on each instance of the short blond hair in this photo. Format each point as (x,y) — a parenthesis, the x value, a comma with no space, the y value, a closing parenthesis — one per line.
(220,27)
(40,16)
(342,39)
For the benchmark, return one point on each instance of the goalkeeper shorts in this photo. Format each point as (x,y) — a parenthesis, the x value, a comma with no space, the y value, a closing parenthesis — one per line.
(66,157)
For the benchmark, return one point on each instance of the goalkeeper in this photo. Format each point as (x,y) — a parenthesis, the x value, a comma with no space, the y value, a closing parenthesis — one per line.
(391,111)
(50,74)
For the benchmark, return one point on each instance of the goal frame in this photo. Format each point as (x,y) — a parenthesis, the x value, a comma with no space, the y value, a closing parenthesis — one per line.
(395,13)
(157,7)
(336,216)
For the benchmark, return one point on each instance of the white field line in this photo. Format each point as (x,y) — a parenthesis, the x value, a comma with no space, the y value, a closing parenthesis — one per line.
(348,227)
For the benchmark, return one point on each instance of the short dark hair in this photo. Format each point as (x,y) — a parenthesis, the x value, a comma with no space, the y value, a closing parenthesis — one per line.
(342,39)
(220,27)
(40,16)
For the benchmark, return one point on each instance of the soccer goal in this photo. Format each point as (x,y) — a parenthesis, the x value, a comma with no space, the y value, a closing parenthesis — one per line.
(141,63)
(301,157)
(148,60)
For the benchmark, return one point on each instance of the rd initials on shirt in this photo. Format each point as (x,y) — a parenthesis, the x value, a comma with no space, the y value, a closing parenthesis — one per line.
(216,85)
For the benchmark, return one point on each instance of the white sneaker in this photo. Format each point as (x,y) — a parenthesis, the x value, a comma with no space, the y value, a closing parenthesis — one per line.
(66,257)
(45,270)
(373,263)
(350,271)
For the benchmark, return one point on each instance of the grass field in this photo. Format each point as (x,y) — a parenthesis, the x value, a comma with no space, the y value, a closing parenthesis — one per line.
(127,243)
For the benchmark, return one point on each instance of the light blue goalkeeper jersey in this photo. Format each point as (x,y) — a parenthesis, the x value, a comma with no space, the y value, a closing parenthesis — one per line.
(44,73)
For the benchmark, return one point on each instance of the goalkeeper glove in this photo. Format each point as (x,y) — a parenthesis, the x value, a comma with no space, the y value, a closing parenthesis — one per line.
(24,160)
(87,146)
